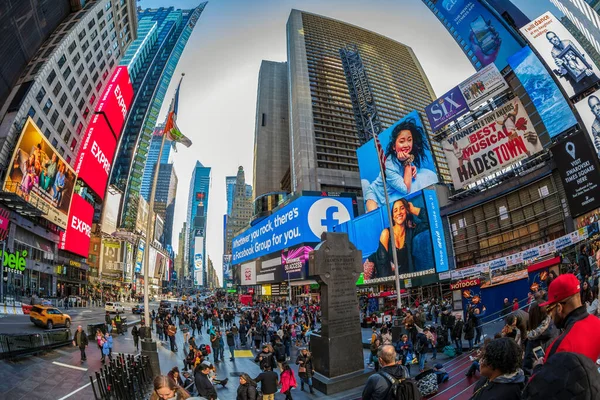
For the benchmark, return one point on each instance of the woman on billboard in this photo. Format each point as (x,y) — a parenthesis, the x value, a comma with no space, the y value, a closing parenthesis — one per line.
(406,154)
(407,223)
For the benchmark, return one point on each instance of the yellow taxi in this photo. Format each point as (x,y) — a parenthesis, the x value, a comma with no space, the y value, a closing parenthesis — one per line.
(49,317)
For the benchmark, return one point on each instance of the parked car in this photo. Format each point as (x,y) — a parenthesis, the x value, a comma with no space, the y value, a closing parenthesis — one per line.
(114,307)
(138,309)
(49,317)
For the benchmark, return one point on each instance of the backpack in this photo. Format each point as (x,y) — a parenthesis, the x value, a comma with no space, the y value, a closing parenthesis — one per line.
(420,343)
(401,389)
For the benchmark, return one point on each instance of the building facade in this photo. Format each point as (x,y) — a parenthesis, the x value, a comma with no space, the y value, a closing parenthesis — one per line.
(241,210)
(584,16)
(580,37)
(152,158)
(197,213)
(159,60)
(271,129)
(164,200)
(323,132)
(230,188)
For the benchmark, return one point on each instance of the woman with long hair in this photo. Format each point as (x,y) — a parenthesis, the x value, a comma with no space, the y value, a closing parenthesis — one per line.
(406,223)
(247,389)
(540,333)
(287,380)
(165,388)
(305,369)
(405,172)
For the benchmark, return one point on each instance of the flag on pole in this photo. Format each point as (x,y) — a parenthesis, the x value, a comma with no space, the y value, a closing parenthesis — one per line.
(171,129)
(380,154)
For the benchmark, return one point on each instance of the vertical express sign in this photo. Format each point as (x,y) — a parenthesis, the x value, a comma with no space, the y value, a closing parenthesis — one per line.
(579,170)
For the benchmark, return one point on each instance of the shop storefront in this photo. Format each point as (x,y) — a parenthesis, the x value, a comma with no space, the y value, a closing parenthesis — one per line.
(72,278)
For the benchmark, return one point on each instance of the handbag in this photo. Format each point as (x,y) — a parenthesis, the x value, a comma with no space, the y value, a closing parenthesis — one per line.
(301,369)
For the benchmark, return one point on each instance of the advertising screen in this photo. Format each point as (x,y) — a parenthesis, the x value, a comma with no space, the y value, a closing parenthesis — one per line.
(110,212)
(198,253)
(491,143)
(568,61)
(96,155)
(227,275)
(485,84)
(579,172)
(295,261)
(111,259)
(417,228)
(402,142)
(139,257)
(248,273)
(76,237)
(301,221)
(41,176)
(198,278)
(116,100)
(589,112)
(160,269)
(543,92)
(485,36)
(446,109)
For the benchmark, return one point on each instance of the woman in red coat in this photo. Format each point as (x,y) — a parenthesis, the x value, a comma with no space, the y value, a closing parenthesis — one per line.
(288,381)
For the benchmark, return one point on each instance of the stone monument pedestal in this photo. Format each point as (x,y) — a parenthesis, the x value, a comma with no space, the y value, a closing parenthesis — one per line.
(337,351)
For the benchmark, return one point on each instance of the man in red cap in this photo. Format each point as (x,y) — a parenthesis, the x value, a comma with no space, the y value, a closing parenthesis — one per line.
(579,329)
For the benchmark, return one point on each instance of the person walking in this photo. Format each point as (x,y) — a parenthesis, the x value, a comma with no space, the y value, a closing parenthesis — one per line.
(457,334)
(171,331)
(268,383)
(236,337)
(135,333)
(247,389)
(214,342)
(287,381)
(80,340)
(279,353)
(230,343)
(106,348)
(305,369)
(108,322)
(204,386)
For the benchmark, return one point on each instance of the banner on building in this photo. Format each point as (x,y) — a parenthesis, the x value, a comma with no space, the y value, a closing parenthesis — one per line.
(492,143)
(580,173)
(482,86)
(248,273)
(570,64)
(589,111)
(116,100)
(198,253)
(547,98)
(446,109)
(112,265)
(141,221)
(227,275)
(110,212)
(40,175)
(139,257)
(198,278)
(76,238)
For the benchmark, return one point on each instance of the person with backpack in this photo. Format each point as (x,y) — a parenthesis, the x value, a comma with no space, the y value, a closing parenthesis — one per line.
(280,355)
(265,358)
(392,382)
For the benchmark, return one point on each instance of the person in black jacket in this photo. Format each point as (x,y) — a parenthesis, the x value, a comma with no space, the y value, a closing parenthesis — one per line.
(247,389)
(470,328)
(306,369)
(265,358)
(457,334)
(378,387)
(268,383)
(541,332)
(203,385)
(583,261)
(503,379)
(80,340)
(279,354)
(230,343)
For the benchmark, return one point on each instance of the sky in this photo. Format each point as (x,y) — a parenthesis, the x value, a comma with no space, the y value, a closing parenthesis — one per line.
(221,63)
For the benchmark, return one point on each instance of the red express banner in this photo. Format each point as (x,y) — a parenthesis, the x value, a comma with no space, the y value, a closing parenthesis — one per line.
(490,144)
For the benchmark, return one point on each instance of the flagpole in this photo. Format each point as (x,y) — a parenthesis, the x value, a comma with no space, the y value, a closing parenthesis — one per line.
(389,212)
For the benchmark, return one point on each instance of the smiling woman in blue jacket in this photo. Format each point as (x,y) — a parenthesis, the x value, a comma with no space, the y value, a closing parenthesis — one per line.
(405,172)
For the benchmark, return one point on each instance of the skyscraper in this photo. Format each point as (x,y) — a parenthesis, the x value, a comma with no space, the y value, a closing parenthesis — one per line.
(61,85)
(197,213)
(583,16)
(230,188)
(271,129)
(241,210)
(148,176)
(323,132)
(159,59)
(164,201)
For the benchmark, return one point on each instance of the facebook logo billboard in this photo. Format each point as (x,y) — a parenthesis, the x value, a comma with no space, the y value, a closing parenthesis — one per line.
(301,221)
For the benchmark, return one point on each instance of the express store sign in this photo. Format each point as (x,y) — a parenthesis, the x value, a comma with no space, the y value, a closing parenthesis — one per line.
(96,155)
(76,239)
(465,283)
(116,100)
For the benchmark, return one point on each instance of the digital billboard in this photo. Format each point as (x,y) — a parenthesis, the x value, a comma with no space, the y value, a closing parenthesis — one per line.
(116,100)
(409,165)
(493,142)
(160,269)
(227,274)
(198,278)
(40,175)
(481,86)
(301,221)
(446,109)
(110,212)
(571,65)
(589,112)
(248,273)
(139,257)
(419,235)
(76,238)
(483,34)
(578,168)
(112,266)
(543,92)
(96,155)
(198,253)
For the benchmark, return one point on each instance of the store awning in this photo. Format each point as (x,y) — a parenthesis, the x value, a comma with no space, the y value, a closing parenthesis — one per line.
(543,264)
(303,282)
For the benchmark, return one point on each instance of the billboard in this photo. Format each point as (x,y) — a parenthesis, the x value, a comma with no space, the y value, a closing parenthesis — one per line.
(160,269)
(116,100)
(579,172)
(485,84)
(420,251)
(139,257)
(141,219)
(227,274)
(248,273)
(571,65)
(198,253)
(198,278)
(446,109)
(483,35)
(493,142)
(76,238)
(543,92)
(402,142)
(96,155)
(301,221)
(40,175)
(111,259)
(589,112)
(295,261)
(110,212)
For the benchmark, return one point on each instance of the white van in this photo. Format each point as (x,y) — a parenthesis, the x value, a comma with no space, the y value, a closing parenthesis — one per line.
(114,307)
